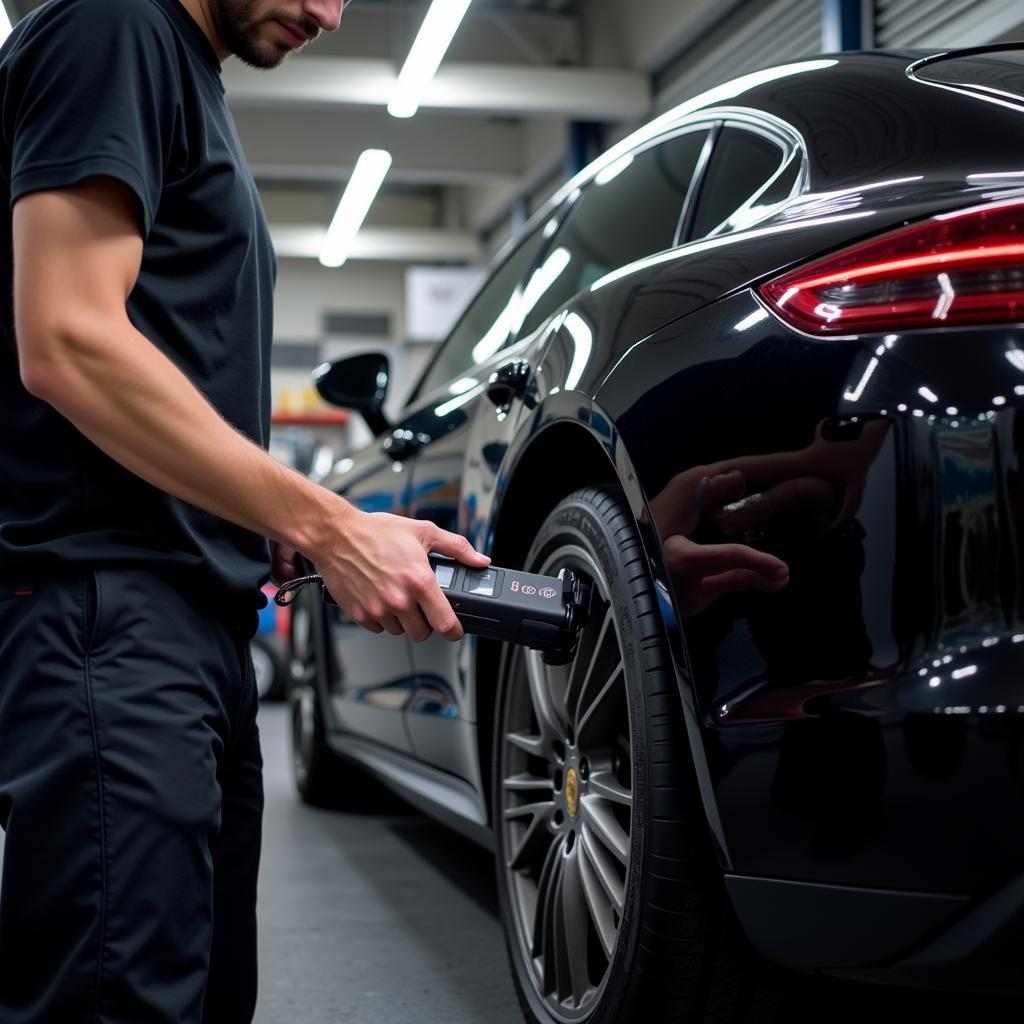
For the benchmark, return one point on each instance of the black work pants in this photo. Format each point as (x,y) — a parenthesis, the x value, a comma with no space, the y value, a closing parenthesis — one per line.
(131,794)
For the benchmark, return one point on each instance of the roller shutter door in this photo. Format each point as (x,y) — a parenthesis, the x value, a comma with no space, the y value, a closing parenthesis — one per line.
(752,36)
(944,24)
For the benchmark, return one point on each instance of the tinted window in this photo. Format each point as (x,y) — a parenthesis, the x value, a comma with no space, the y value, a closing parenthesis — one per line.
(741,163)
(629,211)
(485,326)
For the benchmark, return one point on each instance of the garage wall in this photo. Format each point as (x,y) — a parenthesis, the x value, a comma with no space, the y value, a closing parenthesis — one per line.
(945,23)
(752,36)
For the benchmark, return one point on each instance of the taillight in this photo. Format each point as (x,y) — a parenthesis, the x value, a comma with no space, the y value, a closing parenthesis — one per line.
(965,267)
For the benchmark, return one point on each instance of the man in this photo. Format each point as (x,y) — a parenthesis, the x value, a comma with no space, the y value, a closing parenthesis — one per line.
(134,495)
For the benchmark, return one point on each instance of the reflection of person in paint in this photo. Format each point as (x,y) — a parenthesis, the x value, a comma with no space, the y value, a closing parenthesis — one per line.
(821,485)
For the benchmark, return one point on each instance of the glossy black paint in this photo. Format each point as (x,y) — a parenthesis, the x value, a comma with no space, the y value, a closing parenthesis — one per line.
(864,727)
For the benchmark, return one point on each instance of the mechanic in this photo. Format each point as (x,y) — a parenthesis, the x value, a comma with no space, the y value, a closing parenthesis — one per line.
(136,495)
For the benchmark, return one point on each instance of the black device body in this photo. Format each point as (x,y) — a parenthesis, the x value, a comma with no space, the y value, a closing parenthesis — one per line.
(544,613)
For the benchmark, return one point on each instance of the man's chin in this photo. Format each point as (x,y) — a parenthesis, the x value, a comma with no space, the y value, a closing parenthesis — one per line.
(263,58)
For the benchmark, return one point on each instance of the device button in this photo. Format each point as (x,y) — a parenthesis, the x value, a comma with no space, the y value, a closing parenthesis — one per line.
(481,582)
(445,575)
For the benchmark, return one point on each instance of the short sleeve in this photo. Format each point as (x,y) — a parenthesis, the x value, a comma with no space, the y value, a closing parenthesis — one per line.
(93,91)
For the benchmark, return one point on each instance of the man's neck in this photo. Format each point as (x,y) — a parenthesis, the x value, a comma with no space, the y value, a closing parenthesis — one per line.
(200,13)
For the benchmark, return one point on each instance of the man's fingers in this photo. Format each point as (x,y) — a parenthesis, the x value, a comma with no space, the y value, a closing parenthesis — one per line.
(415,625)
(455,546)
(440,616)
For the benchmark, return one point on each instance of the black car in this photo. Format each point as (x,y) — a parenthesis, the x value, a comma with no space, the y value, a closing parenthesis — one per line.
(780,326)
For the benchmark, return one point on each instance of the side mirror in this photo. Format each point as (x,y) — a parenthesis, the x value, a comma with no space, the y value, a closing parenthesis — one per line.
(359,383)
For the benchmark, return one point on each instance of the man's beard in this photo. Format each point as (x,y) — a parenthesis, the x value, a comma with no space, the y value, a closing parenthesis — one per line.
(239,30)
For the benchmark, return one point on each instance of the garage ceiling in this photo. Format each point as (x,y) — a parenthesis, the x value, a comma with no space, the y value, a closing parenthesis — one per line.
(494,120)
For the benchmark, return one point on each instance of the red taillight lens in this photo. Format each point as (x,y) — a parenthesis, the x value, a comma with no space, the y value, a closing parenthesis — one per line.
(957,268)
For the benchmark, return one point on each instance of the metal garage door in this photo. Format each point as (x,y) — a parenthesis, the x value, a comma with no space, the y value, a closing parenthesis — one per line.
(944,23)
(752,36)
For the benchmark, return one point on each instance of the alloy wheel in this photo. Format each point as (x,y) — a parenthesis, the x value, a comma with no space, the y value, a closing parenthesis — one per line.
(566,805)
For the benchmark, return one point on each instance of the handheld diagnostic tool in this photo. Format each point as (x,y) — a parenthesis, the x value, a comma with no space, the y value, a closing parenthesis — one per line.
(544,613)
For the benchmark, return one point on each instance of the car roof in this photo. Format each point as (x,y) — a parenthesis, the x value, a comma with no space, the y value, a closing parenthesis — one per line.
(862,115)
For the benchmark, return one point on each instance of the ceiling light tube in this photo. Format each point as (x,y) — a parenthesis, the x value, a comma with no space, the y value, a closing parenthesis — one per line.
(367,177)
(435,36)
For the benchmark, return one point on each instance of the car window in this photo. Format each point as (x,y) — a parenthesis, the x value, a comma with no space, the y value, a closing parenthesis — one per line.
(630,210)
(485,325)
(741,163)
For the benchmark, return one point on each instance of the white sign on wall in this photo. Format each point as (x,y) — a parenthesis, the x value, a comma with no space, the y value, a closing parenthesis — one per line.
(434,298)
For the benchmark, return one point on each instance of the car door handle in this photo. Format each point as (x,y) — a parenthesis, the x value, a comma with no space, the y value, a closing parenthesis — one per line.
(403,444)
(508,382)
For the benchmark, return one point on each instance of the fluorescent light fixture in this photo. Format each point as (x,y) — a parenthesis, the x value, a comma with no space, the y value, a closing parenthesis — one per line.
(367,177)
(5,23)
(435,36)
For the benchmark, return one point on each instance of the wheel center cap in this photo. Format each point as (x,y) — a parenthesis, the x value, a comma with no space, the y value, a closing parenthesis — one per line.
(572,792)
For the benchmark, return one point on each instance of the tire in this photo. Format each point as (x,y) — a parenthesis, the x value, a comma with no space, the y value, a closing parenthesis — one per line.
(270,665)
(321,777)
(610,893)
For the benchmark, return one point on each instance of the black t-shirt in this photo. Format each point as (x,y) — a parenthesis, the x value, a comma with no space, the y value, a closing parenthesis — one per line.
(131,89)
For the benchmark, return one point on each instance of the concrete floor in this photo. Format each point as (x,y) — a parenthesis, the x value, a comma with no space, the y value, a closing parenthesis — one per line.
(387,918)
(372,918)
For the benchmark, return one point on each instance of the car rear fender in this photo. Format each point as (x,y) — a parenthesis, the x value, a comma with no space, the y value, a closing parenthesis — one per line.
(566,443)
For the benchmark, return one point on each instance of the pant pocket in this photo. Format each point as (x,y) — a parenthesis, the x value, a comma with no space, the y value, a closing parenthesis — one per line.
(92,610)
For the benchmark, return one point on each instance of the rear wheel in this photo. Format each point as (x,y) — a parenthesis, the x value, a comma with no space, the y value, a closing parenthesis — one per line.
(610,893)
(319,773)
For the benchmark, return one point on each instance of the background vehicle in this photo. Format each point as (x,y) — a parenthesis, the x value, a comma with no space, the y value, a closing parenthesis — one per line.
(270,650)
(786,318)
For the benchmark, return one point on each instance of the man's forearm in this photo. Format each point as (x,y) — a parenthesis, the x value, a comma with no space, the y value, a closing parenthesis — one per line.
(132,402)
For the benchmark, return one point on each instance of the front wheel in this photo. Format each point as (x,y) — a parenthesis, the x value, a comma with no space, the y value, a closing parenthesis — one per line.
(610,893)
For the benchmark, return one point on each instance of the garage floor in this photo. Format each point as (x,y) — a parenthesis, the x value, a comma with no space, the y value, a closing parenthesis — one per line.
(380,918)
(387,918)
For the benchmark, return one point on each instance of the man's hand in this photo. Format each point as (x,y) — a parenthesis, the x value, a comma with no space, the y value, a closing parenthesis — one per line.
(376,568)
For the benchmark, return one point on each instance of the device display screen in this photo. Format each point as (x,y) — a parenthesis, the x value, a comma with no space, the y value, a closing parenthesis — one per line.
(482,582)
(445,575)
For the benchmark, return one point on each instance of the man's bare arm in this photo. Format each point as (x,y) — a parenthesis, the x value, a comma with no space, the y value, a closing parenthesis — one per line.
(77,254)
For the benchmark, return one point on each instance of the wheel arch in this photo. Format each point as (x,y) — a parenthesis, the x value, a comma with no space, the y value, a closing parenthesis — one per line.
(571,443)
(564,455)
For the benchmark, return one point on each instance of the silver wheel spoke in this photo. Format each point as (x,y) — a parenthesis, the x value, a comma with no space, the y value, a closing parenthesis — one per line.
(604,870)
(547,911)
(573,916)
(518,783)
(600,909)
(552,726)
(604,784)
(543,885)
(533,837)
(598,815)
(528,743)
(590,714)
(583,667)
